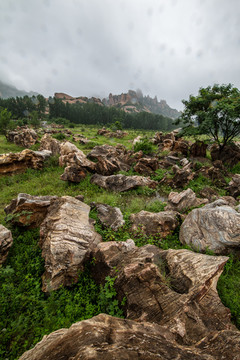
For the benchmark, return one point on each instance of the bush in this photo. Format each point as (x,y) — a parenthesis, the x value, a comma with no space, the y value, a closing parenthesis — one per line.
(145,146)
(60,136)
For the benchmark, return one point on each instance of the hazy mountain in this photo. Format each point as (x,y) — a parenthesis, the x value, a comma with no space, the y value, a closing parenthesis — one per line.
(7,91)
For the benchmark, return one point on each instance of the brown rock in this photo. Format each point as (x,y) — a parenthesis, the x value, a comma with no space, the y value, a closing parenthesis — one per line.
(6,242)
(20,162)
(215,226)
(174,288)
(49,143)
(105,166)
(234,186)
(181,146)
(23,137)
(109,216)
(146,166)
(108,338)
(28,210)
(158,224)
(66,238)
(183,201)
(121,182)
(182,177)
(74,173)
(198,149)
(230,154)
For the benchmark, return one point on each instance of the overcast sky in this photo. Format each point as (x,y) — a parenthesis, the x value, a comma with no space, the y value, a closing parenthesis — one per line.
(168,48)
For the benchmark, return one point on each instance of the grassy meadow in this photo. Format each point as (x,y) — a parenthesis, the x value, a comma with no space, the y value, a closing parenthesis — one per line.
(26,313)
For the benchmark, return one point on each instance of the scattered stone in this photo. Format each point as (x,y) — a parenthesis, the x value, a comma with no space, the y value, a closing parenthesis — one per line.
(184,201)
(198,149)
(146,166)
(80,197)
(184,162)
(182,177)
(19,162)
(157,139)
(74,173)
(215,226)
(234,186)
(109,216)
(6,242)
(157,224)
(181,146)
(121,182)
(28,210)
(23,137)
(49,143)
(137,139)
(66,237)
(229,155)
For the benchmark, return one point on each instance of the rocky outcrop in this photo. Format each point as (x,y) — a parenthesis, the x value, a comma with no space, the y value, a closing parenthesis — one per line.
(66,237)
(146,166)
(19,162)
(118,133)
(49,143)
(234,186)
(183,201)
(121,182)
(23,137)
(28,210)
(174,288)
(215,226)
(6,242)
(157,224)
(109,216)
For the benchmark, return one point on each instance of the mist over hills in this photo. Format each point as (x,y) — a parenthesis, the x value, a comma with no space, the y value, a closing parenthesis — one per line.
(130,102)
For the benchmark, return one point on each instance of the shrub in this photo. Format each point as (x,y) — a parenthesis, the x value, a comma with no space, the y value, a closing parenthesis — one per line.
(145,146)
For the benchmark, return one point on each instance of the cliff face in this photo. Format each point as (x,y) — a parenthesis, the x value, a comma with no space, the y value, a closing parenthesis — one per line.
(134,101)
(80,99)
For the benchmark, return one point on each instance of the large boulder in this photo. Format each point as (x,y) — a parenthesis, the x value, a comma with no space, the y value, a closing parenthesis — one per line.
(181,146)
(28,210)
(158,224)
(6,242)
(108,338)
(184,200)
(73,173)
(121,182)
(109,216)
(174,288)
(215,226)
(70,155)
(19,162)
(49,143)
(67,237)
(23,137)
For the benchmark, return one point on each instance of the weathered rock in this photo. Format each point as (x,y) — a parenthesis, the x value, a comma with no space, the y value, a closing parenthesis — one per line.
(230,154)
(181,146)
(174,288)
(158,224)
(20,162)
(157,139)
(118,133)
(105,166)
(184,162)
(28,210)
(146,166)
(109,216)
(23,137)
(66,238)
(74,173)
(108,338)
(72,156)
(49,143)
(6,242)
(182,177)
(167,145)
(234,186)
(183,201)
(198,149)
(137,139)
(215,226)
(121,182)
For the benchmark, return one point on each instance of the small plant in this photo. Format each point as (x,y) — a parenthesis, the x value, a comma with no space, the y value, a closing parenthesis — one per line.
(145,146)
(107,298)
(59,136)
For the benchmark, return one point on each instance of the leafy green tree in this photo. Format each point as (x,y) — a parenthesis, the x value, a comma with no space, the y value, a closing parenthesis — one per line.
(5,117)
(214,111)
(34,120)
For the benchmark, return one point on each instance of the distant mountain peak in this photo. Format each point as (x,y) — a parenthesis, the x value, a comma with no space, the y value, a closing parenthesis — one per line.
(8,91)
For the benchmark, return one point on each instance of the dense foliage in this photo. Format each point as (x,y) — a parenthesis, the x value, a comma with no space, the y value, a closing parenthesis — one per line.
(214,111)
